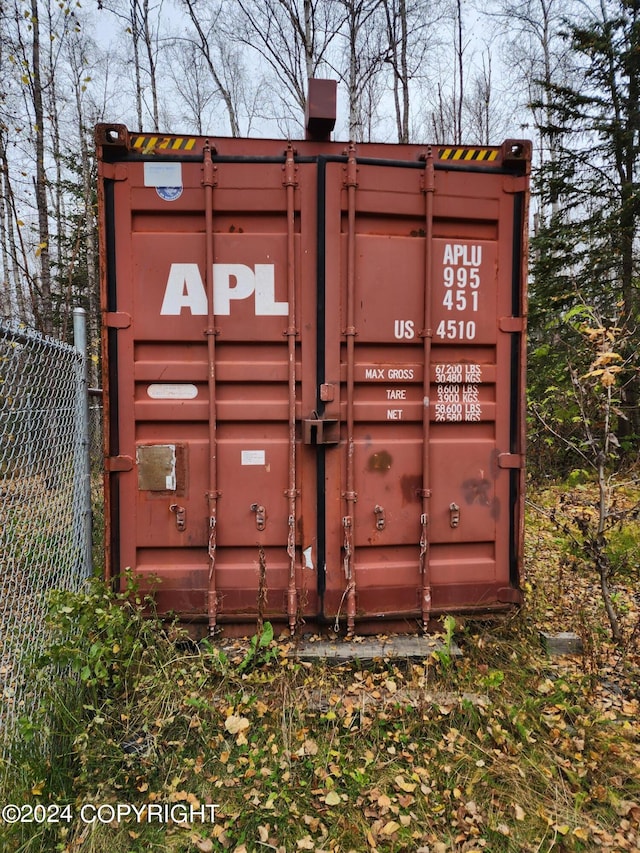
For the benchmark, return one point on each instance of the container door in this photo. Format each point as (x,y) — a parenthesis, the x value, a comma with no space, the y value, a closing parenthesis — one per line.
(416,511)
(205,422)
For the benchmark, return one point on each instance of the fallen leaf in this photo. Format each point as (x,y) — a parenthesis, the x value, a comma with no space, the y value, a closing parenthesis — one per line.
(627,807)
(235,724)
(581,833)
(390,827)
(519,812)
(383,801)
(309,747)
(402,783)
(332,798)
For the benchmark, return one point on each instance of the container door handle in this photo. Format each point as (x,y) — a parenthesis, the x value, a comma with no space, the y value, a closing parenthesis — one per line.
(261,515)
(454,515)
(181,516)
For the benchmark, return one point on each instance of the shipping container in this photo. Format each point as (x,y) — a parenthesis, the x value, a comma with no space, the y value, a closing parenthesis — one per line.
(314,377)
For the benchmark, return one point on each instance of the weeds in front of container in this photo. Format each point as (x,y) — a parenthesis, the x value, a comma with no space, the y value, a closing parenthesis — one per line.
(502,751)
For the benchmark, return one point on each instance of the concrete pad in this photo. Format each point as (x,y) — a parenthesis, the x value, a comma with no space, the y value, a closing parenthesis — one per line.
(372,648)
(562,643)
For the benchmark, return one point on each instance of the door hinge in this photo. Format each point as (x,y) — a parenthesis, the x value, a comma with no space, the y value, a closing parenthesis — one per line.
(113,171)
(513,184)
(510,460)
(114,464)
(510,595)
(117,320)
(511,324)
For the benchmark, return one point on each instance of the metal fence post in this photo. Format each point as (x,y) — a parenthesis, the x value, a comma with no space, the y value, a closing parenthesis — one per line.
(83,469)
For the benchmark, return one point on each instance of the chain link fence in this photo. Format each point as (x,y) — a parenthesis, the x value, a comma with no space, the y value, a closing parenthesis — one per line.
(45,501)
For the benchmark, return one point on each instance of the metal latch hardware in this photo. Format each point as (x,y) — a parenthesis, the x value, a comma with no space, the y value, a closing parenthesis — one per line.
(380,519)
(320,431)
(454,514)
(327,392)
(261,515)
(181,516)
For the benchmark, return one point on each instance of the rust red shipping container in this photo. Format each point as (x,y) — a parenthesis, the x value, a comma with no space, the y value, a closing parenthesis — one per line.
(314,359)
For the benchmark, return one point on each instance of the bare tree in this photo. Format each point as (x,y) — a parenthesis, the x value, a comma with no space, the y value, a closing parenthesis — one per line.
(86,229)
(293,37)
(35,84)
(142,25)
(410,27)
(364,51)
(485,106)
(217,52)
(190,74)
(536,48)
(458,85)
(14,276)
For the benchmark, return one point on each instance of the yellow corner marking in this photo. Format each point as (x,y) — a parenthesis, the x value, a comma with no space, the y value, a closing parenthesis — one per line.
(468,154)
(148,144)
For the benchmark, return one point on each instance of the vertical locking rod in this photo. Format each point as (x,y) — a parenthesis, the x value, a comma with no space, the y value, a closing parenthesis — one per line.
(350,495)
(427,334)
(290,184)
(209,182)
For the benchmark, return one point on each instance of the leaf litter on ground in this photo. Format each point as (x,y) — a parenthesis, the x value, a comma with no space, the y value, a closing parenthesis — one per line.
(503,749)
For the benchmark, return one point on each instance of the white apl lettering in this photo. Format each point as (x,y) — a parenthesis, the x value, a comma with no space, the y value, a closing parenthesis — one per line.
(461,253)
(231,282)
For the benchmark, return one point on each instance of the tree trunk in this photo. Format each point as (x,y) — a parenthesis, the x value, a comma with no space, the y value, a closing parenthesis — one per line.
(148,41)
(45,302)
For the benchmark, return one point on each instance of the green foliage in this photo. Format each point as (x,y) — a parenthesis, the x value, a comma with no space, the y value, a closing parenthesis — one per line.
(503,751)
(584,257)
(100,636)
(623,549)
(261,650)
(445,653)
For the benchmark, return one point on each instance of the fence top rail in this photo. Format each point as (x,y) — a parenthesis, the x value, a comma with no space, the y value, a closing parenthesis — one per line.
(20,334)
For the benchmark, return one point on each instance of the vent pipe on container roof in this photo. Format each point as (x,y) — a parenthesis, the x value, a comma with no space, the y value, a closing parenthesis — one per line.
(320,114)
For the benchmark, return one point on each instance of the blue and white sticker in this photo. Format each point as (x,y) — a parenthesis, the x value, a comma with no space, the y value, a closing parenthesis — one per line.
(169,193)
(166,178)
